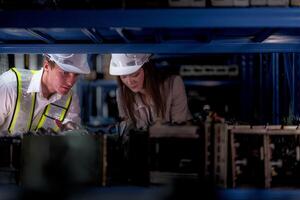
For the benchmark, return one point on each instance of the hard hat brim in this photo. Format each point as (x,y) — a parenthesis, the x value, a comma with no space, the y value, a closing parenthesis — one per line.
(81,66)
(72,69)
(119,71)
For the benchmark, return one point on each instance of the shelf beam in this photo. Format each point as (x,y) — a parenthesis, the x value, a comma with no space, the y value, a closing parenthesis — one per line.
(41,36)
(174,48)
(123,34)
(93,35)
(263,35)
(154,18)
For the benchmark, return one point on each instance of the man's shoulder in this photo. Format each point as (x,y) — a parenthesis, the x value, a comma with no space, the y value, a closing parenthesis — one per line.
(8,79)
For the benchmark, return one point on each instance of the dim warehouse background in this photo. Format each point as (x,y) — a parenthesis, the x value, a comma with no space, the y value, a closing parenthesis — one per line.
(240,62)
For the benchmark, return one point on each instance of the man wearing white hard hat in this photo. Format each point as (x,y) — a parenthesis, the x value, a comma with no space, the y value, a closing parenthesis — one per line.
(41,99)
(145,96)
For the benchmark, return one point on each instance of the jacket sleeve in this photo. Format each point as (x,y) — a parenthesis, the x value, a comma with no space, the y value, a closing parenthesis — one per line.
(8,98)
(179,107)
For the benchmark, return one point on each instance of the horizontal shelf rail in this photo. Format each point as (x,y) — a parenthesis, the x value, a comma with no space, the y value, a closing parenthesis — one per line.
(151,48)
(154,18)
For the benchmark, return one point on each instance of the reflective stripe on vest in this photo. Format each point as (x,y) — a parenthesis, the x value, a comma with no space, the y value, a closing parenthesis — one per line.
(21,78)
(25,104)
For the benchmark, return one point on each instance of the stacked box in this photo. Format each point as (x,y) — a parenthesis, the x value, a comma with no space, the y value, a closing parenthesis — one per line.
(198,3)
(241,3)
(258,2)
(218,3)
(146,3)
(278,2)
(295,2)
(187,3)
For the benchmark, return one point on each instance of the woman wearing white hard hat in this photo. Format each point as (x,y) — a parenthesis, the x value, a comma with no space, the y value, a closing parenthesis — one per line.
(41,99)
(145,96)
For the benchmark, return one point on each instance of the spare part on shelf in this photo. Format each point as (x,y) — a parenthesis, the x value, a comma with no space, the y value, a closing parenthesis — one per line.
(175,152)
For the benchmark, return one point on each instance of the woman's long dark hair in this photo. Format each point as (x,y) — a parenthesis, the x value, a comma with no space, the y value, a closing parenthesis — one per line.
(153,85)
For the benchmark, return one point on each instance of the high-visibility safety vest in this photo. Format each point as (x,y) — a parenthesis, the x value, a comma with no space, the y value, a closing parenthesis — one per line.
(23,112)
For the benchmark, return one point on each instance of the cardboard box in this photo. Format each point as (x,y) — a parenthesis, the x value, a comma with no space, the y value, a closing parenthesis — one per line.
(278,2)
(198,3)
(222,3)
(179,3)
(295,2)
(187,3)
(241,3)
(258,2)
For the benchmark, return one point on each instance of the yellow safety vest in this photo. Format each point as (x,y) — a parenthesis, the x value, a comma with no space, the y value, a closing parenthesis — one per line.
(23,113)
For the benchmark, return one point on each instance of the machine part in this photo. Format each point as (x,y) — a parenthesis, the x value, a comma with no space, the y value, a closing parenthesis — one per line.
(175,152)
(177,131)
(220,154)
(241,162)
(277,163)
(247,158)
(298,153)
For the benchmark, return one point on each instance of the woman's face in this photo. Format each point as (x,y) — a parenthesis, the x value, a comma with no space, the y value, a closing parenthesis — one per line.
(134,81)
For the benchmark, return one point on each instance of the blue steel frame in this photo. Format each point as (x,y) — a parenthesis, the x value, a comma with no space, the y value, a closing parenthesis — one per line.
(275,81)
(267,19)
(289,69)
(175,48)
(154,18)
(247,104)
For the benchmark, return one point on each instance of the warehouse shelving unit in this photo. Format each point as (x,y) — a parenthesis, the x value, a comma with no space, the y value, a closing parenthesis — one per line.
(163,31)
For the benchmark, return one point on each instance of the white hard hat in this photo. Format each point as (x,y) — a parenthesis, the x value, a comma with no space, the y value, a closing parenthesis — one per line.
(124,64)
(75,63)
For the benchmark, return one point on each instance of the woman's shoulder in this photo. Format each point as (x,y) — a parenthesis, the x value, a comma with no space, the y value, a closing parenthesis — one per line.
(172,82)
(174,79)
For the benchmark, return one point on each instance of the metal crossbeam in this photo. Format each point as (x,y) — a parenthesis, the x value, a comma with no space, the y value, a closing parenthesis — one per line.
(154,18)
(93,35)
(170,48)
(41,36)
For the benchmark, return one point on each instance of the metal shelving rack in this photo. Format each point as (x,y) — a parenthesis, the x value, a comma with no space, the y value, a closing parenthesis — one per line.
(160,31)
(200,30)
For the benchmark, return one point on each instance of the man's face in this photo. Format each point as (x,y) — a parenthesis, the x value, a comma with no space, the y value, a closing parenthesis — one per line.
(61,81)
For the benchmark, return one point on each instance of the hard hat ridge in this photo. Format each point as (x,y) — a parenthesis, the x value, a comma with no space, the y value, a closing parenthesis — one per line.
(75,63)
(124,64)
